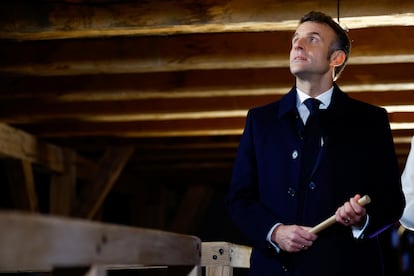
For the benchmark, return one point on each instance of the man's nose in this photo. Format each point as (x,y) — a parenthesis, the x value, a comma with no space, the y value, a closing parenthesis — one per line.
(298,44)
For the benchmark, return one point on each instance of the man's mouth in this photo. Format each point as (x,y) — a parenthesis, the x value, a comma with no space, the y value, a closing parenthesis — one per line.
(299,58)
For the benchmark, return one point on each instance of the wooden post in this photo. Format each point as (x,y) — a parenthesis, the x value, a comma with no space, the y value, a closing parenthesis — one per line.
(220,258)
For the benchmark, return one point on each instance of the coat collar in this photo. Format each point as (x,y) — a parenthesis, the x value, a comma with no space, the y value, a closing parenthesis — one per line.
(288,102)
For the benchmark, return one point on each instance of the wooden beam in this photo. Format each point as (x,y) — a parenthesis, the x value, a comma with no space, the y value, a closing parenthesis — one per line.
(133,110)
(171,109)
(22,185)
(385,98)
(170,128)
(18,144)
(231,97)
(38,242)
(55,90)
(63,186)
(151,128)
(58,94)
(60,20)
(192,208)
(192,52)
(151,75)
(86,168)
(148,145)
(109,168)
(219,254)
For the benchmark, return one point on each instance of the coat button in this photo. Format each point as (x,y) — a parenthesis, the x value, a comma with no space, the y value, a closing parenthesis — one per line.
(291,192)
(312,185)
(295,154)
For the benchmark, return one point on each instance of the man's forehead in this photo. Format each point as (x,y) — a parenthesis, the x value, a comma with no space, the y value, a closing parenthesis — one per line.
(310,27)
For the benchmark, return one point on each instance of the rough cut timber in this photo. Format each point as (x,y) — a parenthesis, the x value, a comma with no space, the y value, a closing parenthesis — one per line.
(173,80)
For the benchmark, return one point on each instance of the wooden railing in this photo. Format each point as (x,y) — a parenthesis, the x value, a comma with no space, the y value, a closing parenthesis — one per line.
(33,242)
(65,246)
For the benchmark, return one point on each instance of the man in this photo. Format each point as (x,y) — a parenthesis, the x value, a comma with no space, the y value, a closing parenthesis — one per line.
(275,197)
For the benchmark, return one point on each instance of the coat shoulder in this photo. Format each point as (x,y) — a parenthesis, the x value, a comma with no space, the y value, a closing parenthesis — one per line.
(364,110)
(360,105)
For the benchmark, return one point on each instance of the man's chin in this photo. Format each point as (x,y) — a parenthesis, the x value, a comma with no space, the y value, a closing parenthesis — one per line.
(298,73)
(296,69)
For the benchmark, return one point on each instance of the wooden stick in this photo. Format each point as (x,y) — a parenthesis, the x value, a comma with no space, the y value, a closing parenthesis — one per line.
(328,222)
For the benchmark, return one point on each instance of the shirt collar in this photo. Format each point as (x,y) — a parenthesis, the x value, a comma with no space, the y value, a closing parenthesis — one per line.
(325,98)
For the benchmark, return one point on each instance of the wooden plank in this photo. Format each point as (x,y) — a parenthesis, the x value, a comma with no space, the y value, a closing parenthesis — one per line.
(39,242)
(385,98)
(86,169)
(18,144)
(130,110)
(149,202)
(63,186)
(225,254)
(168,128)
(109,168)
(22,185)
(193,52)
(219,271)
(175,108)
(192,208)
(231,126)
(247,61)
(26,20)
(230,93)
(62,95)
(147,86)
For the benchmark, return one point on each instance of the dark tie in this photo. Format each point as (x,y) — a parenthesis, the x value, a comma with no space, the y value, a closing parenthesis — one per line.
(312,137)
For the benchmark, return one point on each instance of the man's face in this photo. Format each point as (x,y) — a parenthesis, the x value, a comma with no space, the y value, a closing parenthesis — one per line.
(310,48)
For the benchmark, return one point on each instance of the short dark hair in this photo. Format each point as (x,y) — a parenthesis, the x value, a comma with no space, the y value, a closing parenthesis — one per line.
(342,40)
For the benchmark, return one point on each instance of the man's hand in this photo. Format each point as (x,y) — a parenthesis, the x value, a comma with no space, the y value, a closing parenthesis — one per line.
(351,213)
(293,238)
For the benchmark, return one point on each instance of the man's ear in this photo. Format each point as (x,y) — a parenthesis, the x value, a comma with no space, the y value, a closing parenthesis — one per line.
(338,58)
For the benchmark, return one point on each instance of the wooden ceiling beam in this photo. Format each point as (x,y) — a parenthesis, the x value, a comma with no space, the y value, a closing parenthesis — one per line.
(191,52)
(192,84)
(63,186)
(401,117)
(129,110)
(161,69)
(24,20)
(94,192)
(195,202)
(18,144)
(146,85)
(170,128)
(146,146)
(25,111)
(22,185)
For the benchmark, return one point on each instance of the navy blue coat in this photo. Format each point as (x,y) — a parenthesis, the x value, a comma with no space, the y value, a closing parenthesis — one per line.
(266,188)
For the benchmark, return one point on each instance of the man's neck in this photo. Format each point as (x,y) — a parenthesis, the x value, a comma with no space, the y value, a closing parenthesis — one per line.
(313,88)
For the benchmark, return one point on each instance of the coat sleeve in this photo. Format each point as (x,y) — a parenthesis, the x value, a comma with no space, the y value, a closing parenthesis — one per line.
(385,190)
(249,215)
